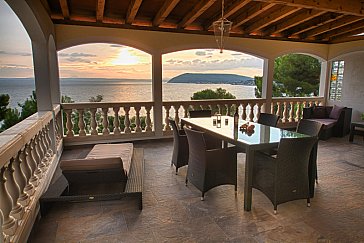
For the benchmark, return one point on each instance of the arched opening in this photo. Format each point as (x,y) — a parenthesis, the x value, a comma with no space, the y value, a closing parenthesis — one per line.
(296,75)
(16,70)
(118,73)
(189,71)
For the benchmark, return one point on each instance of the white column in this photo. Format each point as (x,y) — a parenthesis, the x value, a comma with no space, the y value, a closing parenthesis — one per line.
(267,85)
(157,93)
(54,72)
(42,76)
(324,80)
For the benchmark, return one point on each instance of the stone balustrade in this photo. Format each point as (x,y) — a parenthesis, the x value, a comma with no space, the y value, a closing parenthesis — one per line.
(114,121)
(86,123)
(290,109)
(28,158)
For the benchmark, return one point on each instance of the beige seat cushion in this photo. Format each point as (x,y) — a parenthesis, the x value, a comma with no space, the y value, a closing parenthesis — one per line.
(91,164)
(123,151)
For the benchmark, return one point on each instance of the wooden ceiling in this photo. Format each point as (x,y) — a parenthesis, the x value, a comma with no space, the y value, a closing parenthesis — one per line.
(320,21)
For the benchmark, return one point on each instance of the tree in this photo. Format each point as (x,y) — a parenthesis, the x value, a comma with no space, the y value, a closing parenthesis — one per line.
(277,92)
(209,94)
(294,75)
(299,74)
(29,107)
(4,102)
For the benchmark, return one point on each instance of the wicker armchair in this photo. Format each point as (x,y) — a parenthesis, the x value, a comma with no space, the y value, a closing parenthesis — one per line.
(209,168)
(268,119)
(180,147)
(284,178)
(311,128)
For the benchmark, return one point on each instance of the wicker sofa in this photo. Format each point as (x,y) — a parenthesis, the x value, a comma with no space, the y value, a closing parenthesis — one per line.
(335,120)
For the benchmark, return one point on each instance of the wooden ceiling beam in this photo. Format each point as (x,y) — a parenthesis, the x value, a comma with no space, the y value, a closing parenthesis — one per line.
(347,39)
(349,34)
(199,9)
(132,10)
(278,14)
(351,7)
(347,28)
(64,8)
(164,11)
(289,23)
(318,21)
(251,13)
(232,9)
(100,10)
(330,26)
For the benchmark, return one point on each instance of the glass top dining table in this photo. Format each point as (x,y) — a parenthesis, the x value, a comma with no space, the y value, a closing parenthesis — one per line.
(263,137)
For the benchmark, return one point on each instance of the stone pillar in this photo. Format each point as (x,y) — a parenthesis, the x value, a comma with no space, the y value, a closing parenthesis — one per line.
(324,80)
(157,93)
(267,85)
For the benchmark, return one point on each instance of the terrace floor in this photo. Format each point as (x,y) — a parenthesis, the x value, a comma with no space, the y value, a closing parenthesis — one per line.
(174,213)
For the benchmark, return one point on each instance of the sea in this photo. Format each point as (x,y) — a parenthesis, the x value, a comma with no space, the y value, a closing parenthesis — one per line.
(116,90)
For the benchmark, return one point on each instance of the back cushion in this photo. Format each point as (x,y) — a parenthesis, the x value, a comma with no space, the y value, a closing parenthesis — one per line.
(319,112)
(335,112)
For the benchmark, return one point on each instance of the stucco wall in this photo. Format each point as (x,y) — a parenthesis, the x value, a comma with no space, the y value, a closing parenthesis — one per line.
(353,84)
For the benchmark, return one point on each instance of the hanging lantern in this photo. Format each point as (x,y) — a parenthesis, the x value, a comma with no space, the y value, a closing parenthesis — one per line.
(222,29)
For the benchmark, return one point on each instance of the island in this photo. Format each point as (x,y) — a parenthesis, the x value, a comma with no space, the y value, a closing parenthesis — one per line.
(211,78)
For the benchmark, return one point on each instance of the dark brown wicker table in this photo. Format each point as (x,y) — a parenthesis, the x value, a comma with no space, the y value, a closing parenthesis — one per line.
(356,128)
(263,137)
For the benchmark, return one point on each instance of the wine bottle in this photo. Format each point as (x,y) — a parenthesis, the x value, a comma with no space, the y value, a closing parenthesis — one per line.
(236,117)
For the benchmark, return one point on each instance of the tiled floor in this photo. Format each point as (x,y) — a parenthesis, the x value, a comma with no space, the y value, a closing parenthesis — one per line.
(174,213)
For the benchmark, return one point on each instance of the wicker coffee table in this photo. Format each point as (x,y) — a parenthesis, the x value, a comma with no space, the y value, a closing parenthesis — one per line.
(356,128)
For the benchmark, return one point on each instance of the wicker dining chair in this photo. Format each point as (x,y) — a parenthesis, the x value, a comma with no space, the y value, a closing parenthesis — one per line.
(180,147)
(284,178)
(268,119)
(311,128)
(208,168)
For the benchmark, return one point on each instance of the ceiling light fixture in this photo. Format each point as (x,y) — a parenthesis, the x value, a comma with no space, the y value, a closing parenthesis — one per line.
(222,28)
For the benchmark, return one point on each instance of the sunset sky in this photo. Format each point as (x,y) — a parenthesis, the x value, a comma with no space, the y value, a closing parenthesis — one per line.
(113,61)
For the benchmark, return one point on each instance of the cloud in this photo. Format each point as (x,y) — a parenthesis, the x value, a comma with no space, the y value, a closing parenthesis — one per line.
(116,45)
(78,59)
(23,54)
(237,54)
(200,53)
(76,54)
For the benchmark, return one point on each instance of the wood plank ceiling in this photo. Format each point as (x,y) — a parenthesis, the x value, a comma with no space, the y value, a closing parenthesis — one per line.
(320,21)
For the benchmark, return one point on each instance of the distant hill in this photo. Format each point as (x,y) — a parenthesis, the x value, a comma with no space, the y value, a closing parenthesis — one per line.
(210,78)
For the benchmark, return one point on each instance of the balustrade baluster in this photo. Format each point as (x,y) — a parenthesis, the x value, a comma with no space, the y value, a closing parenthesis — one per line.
(138,128)
(43,148)
(116,121)
(243,115)
(93,122)
(49,141)
(227,108)
(285,112)
(176,116)
(46,146)
(127,120)
(291,112)
(148,121)
(251,114)
(42,164)
(32,163)
(20,180)
(13,189)
(8,222)
(166,120)
(272,107)
(81,123)
(38,172)
(278,113)
(259,105)
(69,124)
(25,168)
(105,121)
(185,110)
(298,112)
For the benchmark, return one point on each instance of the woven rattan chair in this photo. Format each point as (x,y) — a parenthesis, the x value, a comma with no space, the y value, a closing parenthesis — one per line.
(311,128)
(180,147)
(209,168)
(284,178)
(211,141)
(268,119)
